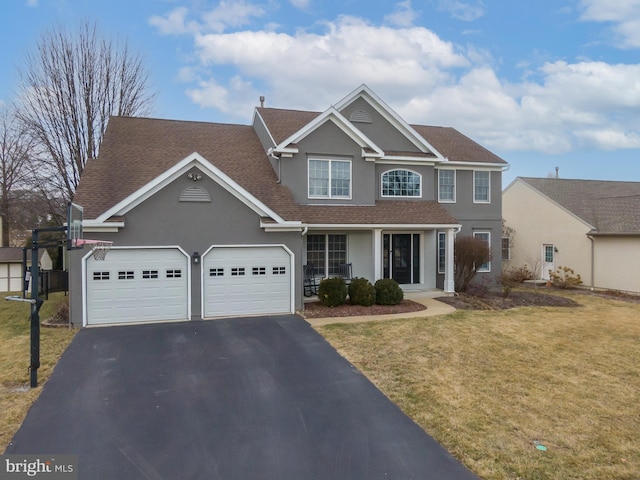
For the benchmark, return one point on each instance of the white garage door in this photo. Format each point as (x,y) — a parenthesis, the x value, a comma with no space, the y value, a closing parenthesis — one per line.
(246,281)
(137,285)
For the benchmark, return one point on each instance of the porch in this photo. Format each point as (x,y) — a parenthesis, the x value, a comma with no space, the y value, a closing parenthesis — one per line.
(419,259)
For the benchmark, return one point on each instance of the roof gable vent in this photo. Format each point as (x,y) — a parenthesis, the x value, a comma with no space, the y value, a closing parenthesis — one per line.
(360,116)
(194,194)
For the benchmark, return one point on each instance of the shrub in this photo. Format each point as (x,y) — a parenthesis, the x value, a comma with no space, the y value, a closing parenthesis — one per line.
(469,254)
(332,292)
(388,292)
(362,292)
(564,277)
(517,275)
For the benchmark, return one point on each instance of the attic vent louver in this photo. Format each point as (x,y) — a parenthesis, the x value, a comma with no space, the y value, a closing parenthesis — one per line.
(194,194)
(360,116)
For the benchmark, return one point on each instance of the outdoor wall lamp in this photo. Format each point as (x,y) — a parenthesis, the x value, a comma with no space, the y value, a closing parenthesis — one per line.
(555,249)
(194,176)
(195,258)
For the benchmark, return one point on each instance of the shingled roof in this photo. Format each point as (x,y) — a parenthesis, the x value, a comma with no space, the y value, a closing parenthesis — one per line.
(135,151)
(455,146)
(611,208)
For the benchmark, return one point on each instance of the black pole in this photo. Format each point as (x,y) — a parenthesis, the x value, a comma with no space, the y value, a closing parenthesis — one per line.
(35,311)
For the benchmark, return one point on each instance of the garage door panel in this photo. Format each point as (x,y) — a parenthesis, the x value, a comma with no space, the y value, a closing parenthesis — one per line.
(246,281)
(137,285)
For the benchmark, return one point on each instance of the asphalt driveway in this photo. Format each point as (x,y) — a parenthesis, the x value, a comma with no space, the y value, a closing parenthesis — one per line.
(252,398)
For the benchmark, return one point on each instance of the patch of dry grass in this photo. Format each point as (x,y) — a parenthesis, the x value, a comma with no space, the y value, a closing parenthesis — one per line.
(15,395)
(491,386)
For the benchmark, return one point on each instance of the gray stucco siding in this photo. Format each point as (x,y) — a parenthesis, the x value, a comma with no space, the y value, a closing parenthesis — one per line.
(162,220)
(329,142)
(380,130)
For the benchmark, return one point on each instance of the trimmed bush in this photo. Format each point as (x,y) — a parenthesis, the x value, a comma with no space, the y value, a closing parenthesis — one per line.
(332,292)
(388,292)
(565,277)
(362,292)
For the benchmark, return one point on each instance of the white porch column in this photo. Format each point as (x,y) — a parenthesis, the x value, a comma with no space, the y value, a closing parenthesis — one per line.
(449,282)
(377,253)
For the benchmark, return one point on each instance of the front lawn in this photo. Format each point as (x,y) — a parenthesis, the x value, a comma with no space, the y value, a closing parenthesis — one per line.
(527,393)
(15,395)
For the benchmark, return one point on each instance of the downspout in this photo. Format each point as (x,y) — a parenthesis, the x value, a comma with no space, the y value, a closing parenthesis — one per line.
(304,231)
(276,157)
(593,256)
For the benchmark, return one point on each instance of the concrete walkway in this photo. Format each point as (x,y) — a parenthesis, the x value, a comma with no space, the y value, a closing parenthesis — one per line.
(434,307)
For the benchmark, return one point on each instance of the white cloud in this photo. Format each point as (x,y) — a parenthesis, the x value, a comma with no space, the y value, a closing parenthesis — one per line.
(227,14)
(32,3)
(465,11)
(624,15)
(300,4)
(403,16)
(173,24)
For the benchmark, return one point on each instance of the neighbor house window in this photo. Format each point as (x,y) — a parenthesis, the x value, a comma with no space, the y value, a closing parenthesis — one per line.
(486,236)
(401,183)
(325,252)
(447,186)
(329,178)
(481,186)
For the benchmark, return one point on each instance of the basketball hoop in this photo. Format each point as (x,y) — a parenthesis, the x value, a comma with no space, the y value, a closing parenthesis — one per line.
(100,248)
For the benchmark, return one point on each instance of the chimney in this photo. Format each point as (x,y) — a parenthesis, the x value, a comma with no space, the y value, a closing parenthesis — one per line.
(557,172)
(261,101)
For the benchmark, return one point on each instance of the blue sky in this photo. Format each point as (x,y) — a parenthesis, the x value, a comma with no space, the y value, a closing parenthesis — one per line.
(542,84)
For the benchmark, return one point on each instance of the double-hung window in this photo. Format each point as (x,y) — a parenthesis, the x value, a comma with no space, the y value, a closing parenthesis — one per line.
(401,183)
(329,178)
(481,186)
(486,236)
(447,186)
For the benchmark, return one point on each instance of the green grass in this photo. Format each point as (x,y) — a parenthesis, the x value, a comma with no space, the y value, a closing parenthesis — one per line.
(491,386)
(15,395)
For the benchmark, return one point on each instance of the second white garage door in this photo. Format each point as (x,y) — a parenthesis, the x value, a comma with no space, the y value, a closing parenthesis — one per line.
(252,280)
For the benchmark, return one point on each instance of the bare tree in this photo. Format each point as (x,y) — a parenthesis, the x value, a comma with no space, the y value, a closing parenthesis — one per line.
(470,253)
(15,149)
(71,85)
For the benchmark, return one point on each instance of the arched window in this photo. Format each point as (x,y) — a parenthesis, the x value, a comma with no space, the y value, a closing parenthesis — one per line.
(401,183)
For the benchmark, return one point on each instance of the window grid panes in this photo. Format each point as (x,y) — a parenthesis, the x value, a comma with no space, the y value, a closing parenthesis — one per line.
(340,179)
(329,178)
(316,253)
(447,185)
(485,267)
(337,252)
(506,248)
(400,183)
(326,252)
(481,186)
(442,252)
(318,178)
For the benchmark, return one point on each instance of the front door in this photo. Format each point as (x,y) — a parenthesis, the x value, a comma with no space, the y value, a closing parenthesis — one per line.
(401,257)
(548,260)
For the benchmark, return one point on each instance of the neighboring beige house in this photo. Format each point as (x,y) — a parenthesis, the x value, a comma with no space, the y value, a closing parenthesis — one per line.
(591,226)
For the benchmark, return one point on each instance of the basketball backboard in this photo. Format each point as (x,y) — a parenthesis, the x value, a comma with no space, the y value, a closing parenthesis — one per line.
(74,225)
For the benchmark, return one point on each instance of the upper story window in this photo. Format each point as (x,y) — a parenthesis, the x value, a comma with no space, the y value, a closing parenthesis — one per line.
(329,178)
(481,186)
(447,186)
(401,183)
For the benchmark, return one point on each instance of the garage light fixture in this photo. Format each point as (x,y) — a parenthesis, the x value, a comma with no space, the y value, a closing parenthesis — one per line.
(195,258)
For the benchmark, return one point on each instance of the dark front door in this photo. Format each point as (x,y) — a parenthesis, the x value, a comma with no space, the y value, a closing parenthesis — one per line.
(402,257)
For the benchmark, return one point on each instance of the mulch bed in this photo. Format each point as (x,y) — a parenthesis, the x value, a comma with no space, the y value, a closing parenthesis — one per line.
(317,310)
(495,301)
